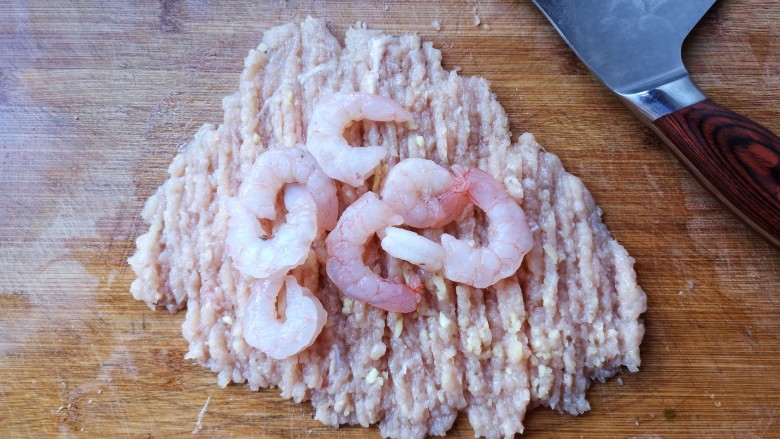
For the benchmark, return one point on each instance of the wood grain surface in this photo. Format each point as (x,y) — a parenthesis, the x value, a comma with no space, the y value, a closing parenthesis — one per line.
(96,97)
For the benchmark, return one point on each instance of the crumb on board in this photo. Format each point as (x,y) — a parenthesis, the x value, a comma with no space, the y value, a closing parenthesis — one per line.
(436,25)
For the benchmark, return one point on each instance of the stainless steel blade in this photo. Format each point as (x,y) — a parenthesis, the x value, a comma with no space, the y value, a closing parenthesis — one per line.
(631,45)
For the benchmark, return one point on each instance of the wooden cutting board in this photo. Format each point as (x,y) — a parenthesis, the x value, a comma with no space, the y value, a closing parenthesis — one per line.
(96,97)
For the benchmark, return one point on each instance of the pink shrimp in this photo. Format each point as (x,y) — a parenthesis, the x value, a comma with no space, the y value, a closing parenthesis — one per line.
(508,234)
(303,321)
(280,166)
(325,134)
(261,254)
(345,266)
(424,193)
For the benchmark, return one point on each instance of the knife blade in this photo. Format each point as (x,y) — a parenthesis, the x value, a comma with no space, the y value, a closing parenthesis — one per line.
(635,49)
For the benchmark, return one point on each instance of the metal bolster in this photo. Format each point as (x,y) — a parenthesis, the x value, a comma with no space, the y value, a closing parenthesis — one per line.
(657,102)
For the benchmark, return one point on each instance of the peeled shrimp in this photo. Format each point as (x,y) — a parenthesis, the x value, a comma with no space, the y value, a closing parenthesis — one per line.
(346,245)
(303,321)
(411,247)
(277,167)
(508,234)
(325,135)
(256,253)
(424,193)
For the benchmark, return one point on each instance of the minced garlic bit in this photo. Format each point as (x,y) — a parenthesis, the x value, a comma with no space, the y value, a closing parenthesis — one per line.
(238,344)
(448,381)
(398,328)
(288,97)
(419,141)
(262,48)
(406,271)
(551,252)
(346,308)
(379,174)
(373,376)
(228,320)
(444,321)
(377,351)
(514,187)
(473,344)
(515,352)
(441,287)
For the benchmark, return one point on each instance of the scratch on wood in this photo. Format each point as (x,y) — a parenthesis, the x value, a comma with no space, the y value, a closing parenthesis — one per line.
(199,423)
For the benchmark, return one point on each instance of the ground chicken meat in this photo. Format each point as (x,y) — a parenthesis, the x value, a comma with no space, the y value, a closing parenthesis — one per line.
(568,316)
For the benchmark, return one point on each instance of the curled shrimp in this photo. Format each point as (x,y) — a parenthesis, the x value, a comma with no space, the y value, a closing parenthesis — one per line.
(346,245)
(258,254)
(424,193)
(325,135)
(303,321)
(508,234)
(277,167)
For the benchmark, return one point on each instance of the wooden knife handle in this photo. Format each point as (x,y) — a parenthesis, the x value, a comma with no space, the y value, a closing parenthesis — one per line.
(735,157)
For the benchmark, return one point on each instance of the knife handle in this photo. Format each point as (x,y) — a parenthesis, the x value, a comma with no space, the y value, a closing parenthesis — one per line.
(733,156)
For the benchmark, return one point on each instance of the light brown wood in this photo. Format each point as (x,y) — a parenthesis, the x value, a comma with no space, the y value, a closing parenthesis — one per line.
(96,97)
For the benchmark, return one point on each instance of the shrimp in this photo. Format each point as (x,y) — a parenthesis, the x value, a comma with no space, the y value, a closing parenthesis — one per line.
(508,234)
(280,166)
(424,193)
(256,254)
(345,266)
(411,247)
(325,135)
(303,321)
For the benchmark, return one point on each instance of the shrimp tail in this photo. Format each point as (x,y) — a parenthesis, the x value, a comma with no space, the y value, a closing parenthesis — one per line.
(355,172)
(453,201)
(415,283)
(395,297)
(483,190)
(381,108)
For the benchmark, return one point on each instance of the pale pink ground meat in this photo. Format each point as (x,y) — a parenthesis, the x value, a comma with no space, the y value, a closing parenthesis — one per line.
(568,316)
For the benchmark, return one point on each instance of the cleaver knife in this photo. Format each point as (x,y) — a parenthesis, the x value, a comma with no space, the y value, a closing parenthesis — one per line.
(634,47)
